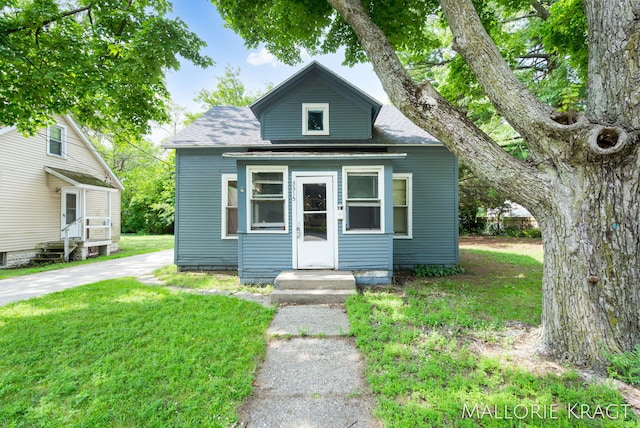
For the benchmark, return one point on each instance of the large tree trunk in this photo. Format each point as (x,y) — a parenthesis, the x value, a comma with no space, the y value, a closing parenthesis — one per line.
(591,231)
(591,281)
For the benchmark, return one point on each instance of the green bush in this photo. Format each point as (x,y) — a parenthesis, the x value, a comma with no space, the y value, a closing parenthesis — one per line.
(523,233)
(532,233)
(626,366)
(422,271)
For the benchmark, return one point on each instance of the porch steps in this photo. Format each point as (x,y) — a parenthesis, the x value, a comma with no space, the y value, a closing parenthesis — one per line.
(308,287)
(53,252)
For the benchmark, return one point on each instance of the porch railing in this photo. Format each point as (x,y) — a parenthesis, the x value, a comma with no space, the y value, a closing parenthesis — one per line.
(106,225)
(102,223)
(65,230)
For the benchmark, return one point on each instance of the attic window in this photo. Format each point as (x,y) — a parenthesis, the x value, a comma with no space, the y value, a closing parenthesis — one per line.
(315,119)
(56,141)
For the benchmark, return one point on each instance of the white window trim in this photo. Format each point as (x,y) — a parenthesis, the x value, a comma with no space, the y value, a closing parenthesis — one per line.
(285,194)
(408,177)
(226,178)
(63,147)
(379,169)
(325,118)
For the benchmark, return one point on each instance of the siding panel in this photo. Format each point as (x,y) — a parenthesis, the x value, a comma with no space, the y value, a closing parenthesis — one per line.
(199,213)
(264,256)
(348,118)
(435,208)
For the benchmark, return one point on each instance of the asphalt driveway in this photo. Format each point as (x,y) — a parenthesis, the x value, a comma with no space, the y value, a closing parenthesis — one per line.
(28,286)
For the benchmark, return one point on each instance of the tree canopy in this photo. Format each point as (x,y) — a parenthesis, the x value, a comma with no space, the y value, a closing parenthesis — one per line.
(102,60)
(230,91)
(543,41)
(147,172)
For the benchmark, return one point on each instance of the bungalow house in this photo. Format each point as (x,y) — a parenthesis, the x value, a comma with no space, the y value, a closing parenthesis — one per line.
(54,185)
(315,175)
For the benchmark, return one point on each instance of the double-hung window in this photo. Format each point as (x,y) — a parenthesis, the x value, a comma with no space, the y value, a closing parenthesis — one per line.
(402,205)
(267,198)
(229,206)
(56,141)
(315,119)
(364,190)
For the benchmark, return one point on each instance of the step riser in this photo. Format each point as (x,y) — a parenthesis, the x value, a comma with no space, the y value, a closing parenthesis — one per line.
(315,280)
(51,255)
(315,285)
(308,298)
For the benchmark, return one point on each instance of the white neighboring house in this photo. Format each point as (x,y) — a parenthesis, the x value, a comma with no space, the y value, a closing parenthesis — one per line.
(55,185)
(512,214)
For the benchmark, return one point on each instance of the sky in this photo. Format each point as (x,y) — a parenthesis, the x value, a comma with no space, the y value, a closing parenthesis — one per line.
(257,67)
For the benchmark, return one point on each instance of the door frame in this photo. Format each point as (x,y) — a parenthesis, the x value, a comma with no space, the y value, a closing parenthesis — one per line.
(79,210)
(332,204)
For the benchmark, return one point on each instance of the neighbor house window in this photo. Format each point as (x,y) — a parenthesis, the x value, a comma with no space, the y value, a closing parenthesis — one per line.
(3,259)
(315,119)
(267,198)
(363,199)
(56,144)
(402,205)
(229,206)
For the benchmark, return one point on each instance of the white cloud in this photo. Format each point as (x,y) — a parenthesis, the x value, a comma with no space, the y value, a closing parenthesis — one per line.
(263,56)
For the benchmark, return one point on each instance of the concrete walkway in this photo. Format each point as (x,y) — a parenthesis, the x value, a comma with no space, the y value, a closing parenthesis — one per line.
(312,375)
(28,286)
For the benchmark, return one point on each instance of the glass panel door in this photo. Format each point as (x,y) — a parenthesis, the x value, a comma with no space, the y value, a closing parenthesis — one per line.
(315,211)
(315,222)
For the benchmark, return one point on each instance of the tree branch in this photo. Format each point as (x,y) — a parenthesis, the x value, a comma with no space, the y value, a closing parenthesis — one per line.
(531,14)
(52,20)
(124,20)
(510,97)
(542,12)
(429,110)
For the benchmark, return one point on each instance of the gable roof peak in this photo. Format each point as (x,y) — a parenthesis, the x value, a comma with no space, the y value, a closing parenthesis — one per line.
(310,69)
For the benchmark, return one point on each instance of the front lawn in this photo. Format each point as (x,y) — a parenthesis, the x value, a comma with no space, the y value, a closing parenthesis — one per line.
(118,353)
(454,352)
(208,280)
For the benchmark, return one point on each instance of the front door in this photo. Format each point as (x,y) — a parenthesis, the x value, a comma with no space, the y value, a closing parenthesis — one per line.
(315,224)
(71,212)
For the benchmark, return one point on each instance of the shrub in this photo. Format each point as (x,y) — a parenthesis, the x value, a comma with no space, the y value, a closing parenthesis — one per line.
(422,271)
(532,233)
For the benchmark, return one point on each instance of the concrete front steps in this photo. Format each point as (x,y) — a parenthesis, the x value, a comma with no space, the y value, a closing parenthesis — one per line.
(312,287)
(53,252)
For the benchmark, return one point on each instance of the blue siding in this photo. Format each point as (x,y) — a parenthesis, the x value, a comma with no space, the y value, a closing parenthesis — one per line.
(435,208)
(348,118)
(261,256)
(198,243)
(363,254)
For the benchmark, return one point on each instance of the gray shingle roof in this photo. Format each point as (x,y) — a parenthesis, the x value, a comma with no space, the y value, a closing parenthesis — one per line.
(237,126)
(393,127)
(220,125)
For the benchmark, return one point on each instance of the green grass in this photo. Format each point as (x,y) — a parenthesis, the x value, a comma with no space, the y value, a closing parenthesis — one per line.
(117,353)
(219,280)
(129,245)
(422,345)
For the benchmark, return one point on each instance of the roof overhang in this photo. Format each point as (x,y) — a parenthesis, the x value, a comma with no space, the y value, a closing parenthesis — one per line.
(286,156)
(81,180)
